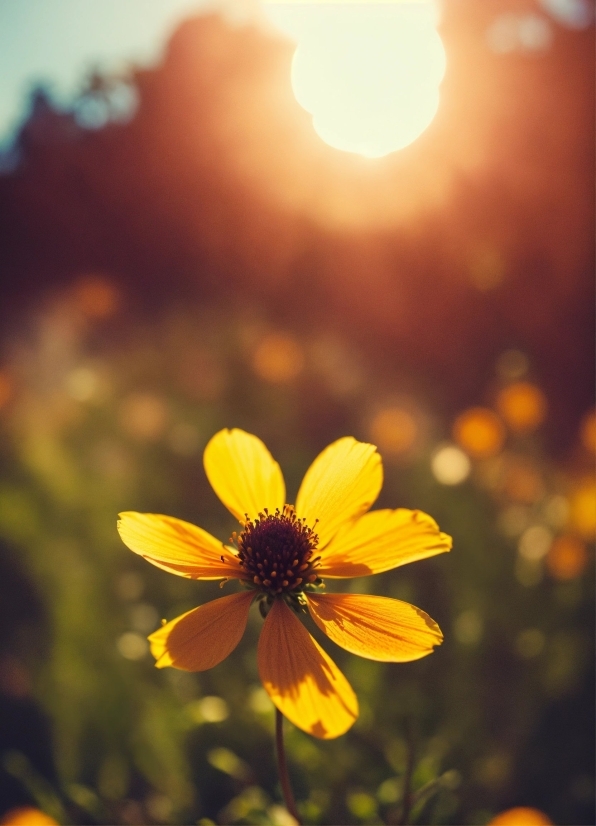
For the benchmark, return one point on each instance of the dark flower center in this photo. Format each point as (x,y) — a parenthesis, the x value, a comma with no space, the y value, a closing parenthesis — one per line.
(276,552)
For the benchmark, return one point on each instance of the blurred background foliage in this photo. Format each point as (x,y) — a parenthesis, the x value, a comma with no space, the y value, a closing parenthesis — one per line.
(166,276)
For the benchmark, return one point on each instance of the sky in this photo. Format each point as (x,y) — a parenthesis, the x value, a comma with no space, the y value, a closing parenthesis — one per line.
(57,42)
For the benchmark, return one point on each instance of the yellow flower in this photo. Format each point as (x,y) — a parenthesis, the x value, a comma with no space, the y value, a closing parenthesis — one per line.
(280,556)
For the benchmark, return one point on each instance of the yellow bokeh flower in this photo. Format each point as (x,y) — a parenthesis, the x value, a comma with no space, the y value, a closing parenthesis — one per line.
(280,557)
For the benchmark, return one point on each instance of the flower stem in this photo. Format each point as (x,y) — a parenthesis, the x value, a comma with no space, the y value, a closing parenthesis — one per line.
(282,766)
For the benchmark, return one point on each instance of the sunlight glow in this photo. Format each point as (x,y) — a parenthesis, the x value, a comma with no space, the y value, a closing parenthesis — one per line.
(369,73)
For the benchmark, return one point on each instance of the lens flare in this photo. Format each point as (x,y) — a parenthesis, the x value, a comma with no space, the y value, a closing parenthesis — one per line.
(369,73)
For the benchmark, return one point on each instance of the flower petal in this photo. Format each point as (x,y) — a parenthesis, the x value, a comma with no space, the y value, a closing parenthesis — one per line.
(342,483)
(382,540)
(301,679)
(203,637)
(377,628)
(177,546)
(243,474)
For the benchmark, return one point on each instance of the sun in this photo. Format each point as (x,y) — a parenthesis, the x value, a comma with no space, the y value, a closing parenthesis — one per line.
(369,73)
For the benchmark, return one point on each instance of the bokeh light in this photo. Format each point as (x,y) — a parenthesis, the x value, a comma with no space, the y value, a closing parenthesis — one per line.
(468,627)
(260,702)
(97,296)
(479,432)
(587,431)
(486,266)
(513,520)
(394,430)
(27,816)
(556,510)
(133,646)
(535,542)
(512,364)
(144,415)
(226,761)
(129,585)
(521,816)
(369,73)
(450,465)
(582,514)
(522,405)
(522,480)
(576,14)
(278,358)
(210,709)
(84,384)
(338,364)
(493,770)
(567,558)
(529,643)
(511,32)
(6,388)
(144,617)
(159,807)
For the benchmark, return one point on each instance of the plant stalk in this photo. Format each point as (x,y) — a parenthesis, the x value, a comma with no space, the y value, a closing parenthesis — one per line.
(282,767)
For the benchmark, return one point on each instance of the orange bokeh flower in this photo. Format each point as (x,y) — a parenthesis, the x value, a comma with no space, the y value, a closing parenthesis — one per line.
(522,405)
(480,432)
(280,557)
(27,816)
(278,358)
(521,816)
(395,430)
(582,515)
(97,297)
(567,557)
